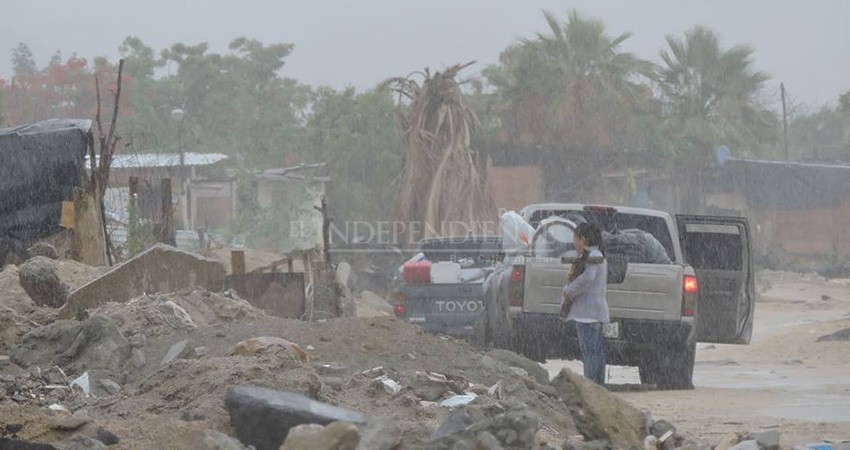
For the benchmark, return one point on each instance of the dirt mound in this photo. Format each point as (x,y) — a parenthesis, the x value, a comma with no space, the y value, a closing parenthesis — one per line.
(195,389)
(157,314)
(19,315)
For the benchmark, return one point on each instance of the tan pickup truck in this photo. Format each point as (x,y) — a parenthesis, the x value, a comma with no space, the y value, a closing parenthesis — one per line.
(700,288)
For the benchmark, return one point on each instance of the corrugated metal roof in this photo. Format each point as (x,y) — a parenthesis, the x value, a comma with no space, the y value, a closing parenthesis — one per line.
(155,160)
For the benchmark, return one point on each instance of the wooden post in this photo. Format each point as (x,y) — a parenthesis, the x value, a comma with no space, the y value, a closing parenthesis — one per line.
(134,187)
(237,262)
(289,265)
(89,235)
(167,235)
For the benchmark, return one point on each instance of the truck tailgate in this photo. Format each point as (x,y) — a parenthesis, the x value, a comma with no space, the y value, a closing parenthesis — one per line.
(445,308)
(648,291)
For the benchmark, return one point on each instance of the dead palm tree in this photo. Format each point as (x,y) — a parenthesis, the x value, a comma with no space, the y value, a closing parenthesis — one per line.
(443,179)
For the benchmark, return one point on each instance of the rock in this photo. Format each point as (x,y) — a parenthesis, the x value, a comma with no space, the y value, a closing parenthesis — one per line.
(95,344)
(265,344)
(767,440)
(200,352)
(838,336)
(176,351)
(14,444)
(430,386)
(511,359)
(517,427)
(5,361)
(751,444)
(592,445)
(263,417)
(336,436)
(106,437)
(215,440)
(380,434)
(598,414)
(137,358)
(110,386)
(40,279)
(43,249)
(55,375)
(457,421)
(518,371)
(728,442)
(160,268)
(374,372)
(666,434)
(332,369)
(84,443)
(69,423)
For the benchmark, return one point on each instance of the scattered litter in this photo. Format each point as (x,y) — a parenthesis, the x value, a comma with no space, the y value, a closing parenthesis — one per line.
(84,383)
(57,407)
(391,386)
(458,400)
(495,390)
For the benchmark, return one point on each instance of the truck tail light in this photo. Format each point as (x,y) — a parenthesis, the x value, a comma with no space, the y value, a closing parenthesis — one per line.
(690,291)
(400,308)
(515,286)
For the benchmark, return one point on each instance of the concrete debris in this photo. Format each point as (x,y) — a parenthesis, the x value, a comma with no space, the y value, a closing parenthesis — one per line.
(215,440)
(511,359)
(767,440)
(110,386)
(751,444)
(39,277)
(373,372)
(838,336)
(5,361)
(336,436)
(514,430)
(106,437)
(70,423)
(380,434)
(263,417)
(267,344)
(176,351)
(598,414)
(158,269)
(430,386)
(84,443)
(75,346)
(200,352)
(14,444)
(390,386)
(518,371)
(138,359)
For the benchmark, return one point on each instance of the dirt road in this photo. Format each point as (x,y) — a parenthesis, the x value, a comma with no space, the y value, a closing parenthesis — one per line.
(784,380)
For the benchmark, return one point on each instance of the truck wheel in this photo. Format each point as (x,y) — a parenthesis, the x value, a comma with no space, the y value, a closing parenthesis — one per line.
(670,368)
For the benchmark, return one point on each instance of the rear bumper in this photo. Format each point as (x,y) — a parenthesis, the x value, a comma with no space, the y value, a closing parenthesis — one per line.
(548,337)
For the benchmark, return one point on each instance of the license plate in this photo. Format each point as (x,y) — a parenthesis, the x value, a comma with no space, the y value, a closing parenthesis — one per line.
(611,330)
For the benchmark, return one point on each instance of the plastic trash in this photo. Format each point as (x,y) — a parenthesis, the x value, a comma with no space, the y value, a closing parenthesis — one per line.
(516,232)
(176,316)
(458,400)
(84,383)
(391,386)
(57,407)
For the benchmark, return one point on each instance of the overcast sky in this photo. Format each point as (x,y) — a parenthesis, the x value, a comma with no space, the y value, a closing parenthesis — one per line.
(803,43)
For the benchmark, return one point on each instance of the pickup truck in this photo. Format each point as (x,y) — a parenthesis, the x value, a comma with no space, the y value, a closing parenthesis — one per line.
(703,291)
(450,308)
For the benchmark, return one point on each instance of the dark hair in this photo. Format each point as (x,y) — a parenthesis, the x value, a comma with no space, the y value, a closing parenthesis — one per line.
(592,235)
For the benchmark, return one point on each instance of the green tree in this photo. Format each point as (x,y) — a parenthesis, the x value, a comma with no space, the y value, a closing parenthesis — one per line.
(710,96)
(573,92)
(23,62)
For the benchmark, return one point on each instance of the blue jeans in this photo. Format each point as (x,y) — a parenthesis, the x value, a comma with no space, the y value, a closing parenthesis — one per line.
(592,353)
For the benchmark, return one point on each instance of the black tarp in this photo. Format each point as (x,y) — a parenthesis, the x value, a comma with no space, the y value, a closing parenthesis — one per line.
(40,164)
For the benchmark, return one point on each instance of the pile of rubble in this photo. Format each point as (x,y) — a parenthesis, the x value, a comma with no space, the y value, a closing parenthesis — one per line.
(171,364)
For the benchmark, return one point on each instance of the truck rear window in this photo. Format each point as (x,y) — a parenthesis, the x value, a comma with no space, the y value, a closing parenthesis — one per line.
(481,252)
(614,222)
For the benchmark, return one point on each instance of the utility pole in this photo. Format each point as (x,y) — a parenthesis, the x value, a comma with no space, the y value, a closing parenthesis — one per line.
(784,119)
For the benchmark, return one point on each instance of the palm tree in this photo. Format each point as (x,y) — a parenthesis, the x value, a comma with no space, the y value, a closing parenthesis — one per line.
(443,178)
(572,90)
(711,98)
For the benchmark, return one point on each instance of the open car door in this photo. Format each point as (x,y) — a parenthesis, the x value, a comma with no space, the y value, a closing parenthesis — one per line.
(720,252)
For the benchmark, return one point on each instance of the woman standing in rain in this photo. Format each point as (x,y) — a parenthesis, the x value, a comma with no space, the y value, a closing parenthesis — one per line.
(584,299)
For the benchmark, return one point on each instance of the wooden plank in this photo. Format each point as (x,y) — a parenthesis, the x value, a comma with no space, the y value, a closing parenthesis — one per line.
(237,262)
(68,217)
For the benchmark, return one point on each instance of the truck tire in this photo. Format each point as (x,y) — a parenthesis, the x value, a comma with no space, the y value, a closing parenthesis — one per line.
(671,368)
